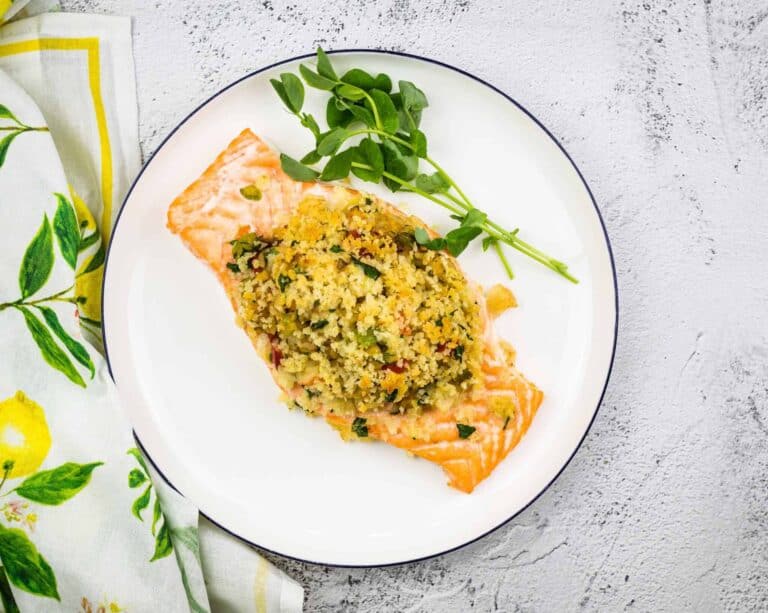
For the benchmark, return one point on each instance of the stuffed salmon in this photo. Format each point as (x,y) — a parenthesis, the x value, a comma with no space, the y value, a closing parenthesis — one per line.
(359,324)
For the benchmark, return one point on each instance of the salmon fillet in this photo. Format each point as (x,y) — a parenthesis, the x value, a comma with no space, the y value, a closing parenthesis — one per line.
(212,211)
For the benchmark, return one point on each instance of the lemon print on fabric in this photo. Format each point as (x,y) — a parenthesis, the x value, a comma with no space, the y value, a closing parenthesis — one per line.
(24,436)
(4,6)
(88,279)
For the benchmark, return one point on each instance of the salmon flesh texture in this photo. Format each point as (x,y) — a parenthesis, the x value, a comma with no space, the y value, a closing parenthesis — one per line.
(211,212)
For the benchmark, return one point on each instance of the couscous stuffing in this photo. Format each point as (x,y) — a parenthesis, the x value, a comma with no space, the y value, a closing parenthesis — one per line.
(360,318)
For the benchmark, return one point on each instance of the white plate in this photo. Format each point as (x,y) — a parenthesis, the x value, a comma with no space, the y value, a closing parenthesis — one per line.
(205,408)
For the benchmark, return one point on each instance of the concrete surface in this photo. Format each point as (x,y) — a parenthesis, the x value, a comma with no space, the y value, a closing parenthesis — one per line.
(664,106)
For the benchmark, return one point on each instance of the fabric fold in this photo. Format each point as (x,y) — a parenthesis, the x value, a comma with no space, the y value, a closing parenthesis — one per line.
(85,522)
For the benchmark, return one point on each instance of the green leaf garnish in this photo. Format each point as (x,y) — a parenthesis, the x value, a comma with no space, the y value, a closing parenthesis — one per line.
(368,161)
(336,249)
(331,141)
(386,109)
(474,218)
(418,141)
(338,166)
(465,431)
(361,114)
(309,122)
(316,80)
(283,281)
(319,325)
(432,184)
(383,82)
(337,117)
(403,166)
(290,90)
(358,78)
(370,271)
(313,157)
(233,267)
(359,427)
(324,66)
(350,92)
(456,241)
(391,152)
(422,237)
(458,352)
(296,170)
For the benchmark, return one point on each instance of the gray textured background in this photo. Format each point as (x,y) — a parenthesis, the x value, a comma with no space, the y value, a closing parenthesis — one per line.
(664,106)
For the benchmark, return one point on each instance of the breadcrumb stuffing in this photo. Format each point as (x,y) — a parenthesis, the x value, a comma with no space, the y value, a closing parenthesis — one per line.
(360,317)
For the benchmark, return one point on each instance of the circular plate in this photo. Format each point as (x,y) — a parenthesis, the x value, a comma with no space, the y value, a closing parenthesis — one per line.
(205,408)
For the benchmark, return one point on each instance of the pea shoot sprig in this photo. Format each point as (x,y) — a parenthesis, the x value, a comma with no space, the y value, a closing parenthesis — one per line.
(391,150)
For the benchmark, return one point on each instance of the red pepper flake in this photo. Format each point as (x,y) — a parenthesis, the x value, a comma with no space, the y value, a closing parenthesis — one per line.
(442,347)
(276,355)
(396,367)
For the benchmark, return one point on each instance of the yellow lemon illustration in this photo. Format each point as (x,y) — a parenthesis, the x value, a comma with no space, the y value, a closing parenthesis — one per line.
(88,293)
(88,285)
(4,6)
(81,209)
(24,436)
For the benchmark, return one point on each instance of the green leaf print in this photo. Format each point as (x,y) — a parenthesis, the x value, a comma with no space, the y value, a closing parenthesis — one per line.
(37,263)
(157,513)
(87,241)
(136,478)
(25,567)
(96,261)
(141,503)
(52,353)
(163,544)
(6,594)
(5,113)
(5,144)
(19,127)
(67,232)
(76,349)
(188,538)
(57,485)
(134,451)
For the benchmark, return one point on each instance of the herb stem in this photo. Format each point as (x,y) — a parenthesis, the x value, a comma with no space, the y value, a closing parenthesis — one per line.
(57,297)
(5,476)
(376,116)
(23,128)
(503,258)
(453,183)
(416,190)
(493,230)
(53,297)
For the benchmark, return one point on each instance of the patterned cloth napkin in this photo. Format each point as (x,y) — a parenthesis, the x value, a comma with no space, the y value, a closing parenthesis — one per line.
(85,523)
